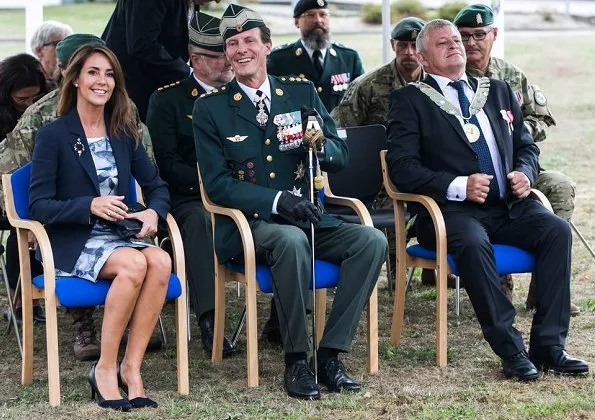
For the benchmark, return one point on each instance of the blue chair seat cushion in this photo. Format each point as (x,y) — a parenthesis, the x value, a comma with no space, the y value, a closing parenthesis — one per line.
(74,292)
(509,259)
(327,274)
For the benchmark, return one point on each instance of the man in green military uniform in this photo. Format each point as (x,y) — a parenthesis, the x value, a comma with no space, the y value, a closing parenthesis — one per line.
(16,151)
(329,65)
(249,144)
(478,33)
(366,99)
(169,119)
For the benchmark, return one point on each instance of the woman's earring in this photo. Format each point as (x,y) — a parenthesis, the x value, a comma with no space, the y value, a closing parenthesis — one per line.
(76,85)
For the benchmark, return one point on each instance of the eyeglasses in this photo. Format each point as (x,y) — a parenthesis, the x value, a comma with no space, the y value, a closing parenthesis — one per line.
(54,43)
(477,36)
(26,100)
(314,15)
(213,56)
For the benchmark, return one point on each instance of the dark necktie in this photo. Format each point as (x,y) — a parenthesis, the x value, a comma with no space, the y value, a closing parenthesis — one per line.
(317,61)
(263,113)
(481,145)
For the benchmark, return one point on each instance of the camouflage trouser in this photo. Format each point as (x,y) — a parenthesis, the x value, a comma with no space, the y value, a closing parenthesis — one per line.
(383,201)
(560,191)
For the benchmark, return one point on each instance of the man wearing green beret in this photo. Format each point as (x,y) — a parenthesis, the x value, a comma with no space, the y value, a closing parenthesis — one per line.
(478,33)
(16,151)
(329,65)
(169,119)
(250,146)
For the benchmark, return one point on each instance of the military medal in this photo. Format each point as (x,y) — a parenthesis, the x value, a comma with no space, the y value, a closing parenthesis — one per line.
(289,130)
(472,132)
(79,147)
(340,81)
(262,117)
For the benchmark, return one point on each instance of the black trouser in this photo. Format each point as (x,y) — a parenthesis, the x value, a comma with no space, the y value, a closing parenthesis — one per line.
(12,260)
(548,237)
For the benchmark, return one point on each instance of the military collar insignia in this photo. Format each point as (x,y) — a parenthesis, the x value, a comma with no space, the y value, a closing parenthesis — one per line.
(237,138)
(333,52)
(299,51)
(237,97)
(279,92)
(194,92)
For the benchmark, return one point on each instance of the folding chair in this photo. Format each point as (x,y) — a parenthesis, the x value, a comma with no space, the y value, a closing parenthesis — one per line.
(12,322)
(250,274)
(509,260)
(74,291)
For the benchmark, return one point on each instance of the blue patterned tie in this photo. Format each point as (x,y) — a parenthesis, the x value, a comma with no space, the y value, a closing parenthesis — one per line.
(481,145)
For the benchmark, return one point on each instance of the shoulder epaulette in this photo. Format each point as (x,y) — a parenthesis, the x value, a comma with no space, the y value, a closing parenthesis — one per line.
(292,79)
(282,47)
(215,92)
(342,46)
(170,85)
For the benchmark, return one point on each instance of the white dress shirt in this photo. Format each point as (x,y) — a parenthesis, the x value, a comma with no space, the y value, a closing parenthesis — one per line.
(457,190)
(310,52)
(202,84)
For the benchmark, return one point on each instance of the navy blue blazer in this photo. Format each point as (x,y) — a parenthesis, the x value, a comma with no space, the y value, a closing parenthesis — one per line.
(63,184)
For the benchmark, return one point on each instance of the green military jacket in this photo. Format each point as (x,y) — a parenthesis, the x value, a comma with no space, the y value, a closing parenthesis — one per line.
(16,150)
(536,112)
(341,66)
(242,164)
(169,119)
(367,98)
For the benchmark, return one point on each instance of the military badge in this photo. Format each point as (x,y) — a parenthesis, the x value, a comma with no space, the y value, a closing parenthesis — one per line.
(539,98)
(237,97)
(300,171)
(340,81)
(478,19)
(508,116)
(279,92)
(194,92)
(333,52)
(413,35)
(298,52)
(237,138)
(79,147)
(289,130)
(296,191)
(320,3)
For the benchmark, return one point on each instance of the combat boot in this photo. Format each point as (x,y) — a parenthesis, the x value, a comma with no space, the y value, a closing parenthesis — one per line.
(507,285)
(84,341)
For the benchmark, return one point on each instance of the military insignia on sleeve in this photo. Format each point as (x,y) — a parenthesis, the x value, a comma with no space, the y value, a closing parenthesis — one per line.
(298,52)
(237,97)
(194,92)
(279,92)
(237,138)
(333,52)
(340,81)
(540,98)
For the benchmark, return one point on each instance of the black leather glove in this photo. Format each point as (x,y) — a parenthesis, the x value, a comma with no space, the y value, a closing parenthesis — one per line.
(312,128)
(298,208)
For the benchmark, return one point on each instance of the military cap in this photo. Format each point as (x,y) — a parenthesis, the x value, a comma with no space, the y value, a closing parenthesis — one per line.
(67,47)
(407,29)
(203,32)
(237,19)
(474,15)
(303,5)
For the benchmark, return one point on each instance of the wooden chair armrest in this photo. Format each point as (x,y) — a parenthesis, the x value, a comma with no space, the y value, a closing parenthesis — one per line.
(175,237)
(43,241)
(539,196)
(353,203)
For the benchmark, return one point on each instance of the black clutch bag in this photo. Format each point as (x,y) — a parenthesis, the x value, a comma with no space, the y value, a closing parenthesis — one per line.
(127,228)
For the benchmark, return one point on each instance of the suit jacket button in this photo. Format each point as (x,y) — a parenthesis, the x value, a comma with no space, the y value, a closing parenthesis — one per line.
(272,175)
(319,89)
(269,158)
(256,215)
(267,141)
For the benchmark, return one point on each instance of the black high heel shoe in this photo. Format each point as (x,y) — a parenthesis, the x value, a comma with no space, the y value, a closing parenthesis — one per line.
(121,404)
(138,402)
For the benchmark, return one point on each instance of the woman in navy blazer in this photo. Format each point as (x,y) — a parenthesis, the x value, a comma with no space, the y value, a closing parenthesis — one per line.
(80,182)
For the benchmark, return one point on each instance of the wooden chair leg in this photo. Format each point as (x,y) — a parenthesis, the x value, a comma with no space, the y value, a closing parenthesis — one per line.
(219,329)
(251,332)
(27,305)
(182,340)
(51,333)
(320,314)
(399,302)
(372,365)
(441,316)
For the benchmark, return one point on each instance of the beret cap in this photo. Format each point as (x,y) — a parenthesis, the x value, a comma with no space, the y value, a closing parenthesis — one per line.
(71,43)
(203,32)
(474,15)
(237,19)
(407,29)
(304,5)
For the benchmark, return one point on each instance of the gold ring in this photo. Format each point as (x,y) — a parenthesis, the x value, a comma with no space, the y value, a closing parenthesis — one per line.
(109,213)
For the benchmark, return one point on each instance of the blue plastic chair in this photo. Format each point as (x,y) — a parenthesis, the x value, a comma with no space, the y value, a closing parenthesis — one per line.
(252,275)
(509,260)
(73,292)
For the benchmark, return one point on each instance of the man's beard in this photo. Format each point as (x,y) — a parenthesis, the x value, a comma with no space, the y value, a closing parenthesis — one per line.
(316,38)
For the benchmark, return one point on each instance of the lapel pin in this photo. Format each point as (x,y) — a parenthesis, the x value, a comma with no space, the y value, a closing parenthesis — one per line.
(79,147)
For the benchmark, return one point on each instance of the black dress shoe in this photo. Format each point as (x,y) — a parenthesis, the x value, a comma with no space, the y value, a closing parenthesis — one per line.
(121,405)
(138,402)
(520,367)
(206,322)
(556,359)
(38,314)
(300,382)
(333,375)
(271,333)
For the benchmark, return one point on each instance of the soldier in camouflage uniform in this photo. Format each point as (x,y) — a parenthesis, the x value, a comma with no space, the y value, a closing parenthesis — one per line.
(475,23)
(16,151)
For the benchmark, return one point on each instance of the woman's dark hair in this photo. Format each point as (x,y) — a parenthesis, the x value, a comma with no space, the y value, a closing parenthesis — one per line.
(17,72)
(118,106)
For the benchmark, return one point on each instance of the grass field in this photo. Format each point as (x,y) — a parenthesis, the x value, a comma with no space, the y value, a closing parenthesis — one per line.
(408,384)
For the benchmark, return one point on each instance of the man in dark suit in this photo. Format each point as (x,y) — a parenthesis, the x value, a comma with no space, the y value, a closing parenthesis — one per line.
(170,121)
(478,161)
(329,65)
(150,37)
(249,146)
